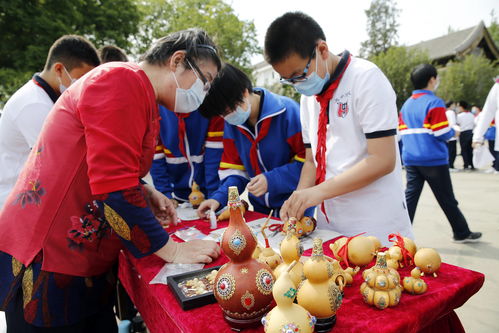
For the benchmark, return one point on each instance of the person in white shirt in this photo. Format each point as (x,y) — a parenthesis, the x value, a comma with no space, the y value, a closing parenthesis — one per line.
(349,123)
(451,144)
(466,122)
(490,113)
(69,58)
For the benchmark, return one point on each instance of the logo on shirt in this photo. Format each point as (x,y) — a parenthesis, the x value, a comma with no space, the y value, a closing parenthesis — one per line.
(342,109)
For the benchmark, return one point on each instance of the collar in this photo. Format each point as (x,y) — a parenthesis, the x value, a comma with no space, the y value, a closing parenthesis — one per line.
(270,104)
(338,70)
(420,92)
(37,79)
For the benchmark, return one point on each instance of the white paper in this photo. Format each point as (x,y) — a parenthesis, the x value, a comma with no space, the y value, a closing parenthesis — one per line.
(275,238)
(185,212)
(174,269)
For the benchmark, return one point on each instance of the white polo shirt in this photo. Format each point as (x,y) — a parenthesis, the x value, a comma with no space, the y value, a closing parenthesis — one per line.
(466,121)
(363,104)
(20,124)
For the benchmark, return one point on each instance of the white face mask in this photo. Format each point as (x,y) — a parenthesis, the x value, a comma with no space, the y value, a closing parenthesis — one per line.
(239,116)
(188,100)
(62,87)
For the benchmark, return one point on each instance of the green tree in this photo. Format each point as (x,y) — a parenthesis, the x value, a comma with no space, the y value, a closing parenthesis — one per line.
(235,38)
(29,27)
(381,28)
(397,63)
(494,28)
(469,79)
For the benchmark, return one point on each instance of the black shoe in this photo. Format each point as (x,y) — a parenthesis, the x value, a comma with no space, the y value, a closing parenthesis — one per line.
(473,237)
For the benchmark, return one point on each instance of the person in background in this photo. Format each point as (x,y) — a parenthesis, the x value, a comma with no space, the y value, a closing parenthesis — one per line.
(190,151)
(466,122)
(425,129)
(489,117)
(112,53)
(80,196)
(263,146)
(349,125)
(452,143)
(69,58)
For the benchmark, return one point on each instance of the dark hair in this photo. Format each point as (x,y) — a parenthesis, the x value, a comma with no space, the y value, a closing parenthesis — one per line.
(464,105)
(72,51)
(195,42)
(112,53)
(448,104)
(226,92)
(293,32)
(421,75)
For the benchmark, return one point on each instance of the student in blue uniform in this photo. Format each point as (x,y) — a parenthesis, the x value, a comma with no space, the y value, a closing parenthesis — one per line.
(190,150)
(263,145)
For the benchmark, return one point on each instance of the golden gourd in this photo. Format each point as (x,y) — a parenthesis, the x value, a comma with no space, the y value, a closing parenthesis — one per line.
(428,260)
(360,249)
(381,286)
(414,284)
(291,250)
(196,196)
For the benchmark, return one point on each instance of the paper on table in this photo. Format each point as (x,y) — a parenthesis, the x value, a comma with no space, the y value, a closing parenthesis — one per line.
(275,238)
(185,212)
(173,269)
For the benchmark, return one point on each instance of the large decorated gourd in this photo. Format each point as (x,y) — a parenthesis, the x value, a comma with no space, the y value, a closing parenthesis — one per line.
(291,250)
(287,316)
(243,286)
(196,196)
(357,250)
(318,294)
(381,286)
(414,284)
(428,260)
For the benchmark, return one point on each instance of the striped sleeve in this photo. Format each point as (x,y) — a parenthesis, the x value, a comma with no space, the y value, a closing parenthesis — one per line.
(436,118)
(231,163)
(214,136)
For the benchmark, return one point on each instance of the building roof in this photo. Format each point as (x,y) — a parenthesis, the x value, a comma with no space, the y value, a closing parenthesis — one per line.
(457,43)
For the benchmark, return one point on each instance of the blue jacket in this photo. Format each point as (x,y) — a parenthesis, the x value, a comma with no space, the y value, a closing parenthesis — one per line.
(279,153)
(173,171)
(491,131)
(424,130)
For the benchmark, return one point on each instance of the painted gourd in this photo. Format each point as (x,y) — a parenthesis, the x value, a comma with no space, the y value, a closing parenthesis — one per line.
(196,196)
(414,284)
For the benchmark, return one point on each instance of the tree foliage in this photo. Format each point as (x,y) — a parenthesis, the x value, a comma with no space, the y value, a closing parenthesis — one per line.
(381,28)
(469,79)
(397,63)
(235,38)
(494,28)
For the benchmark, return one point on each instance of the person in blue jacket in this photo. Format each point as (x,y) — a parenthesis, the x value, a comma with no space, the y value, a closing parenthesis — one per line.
(189,151)
(263,145)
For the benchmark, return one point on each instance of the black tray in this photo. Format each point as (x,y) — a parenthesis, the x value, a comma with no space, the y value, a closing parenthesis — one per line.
(195,301)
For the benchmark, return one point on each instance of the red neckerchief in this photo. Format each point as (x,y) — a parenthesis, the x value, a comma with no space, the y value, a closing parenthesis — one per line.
(262,133)
(320,154)
(181,133)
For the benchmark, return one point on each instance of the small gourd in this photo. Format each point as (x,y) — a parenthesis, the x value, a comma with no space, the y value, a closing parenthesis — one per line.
(403,250)
(291,250)
(428,260)
(358,250)
(287,316)
(196,196)
(381,286)
(268,255)
(394,257)
(414,284)
(318,294)
(308,224)
(296,225)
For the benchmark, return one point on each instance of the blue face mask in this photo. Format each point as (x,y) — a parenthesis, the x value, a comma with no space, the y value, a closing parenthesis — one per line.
(314,83)
(239,116)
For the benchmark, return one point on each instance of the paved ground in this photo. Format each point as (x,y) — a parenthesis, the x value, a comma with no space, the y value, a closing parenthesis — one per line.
(478,196)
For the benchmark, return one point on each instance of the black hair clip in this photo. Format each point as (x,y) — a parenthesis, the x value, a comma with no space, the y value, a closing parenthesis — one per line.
(209,47)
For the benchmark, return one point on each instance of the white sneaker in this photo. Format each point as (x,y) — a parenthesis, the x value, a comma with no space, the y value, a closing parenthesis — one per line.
(453,170)
(490,170)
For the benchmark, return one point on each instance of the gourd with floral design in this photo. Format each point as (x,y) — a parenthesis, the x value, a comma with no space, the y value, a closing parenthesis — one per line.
(381,286)
(243,286)
(414,284)
(287,316)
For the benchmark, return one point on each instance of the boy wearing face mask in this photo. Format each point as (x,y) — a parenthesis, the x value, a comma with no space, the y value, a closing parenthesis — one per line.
(68,59)
(424,128)
(263,147)
(349,121)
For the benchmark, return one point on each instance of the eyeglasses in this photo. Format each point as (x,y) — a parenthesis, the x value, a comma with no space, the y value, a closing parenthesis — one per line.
(302,77)
(201,76)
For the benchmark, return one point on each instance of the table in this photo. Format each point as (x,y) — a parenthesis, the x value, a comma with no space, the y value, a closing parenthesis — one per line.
(430,312)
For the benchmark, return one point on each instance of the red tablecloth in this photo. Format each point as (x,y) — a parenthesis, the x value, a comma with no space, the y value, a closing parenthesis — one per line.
(430,312)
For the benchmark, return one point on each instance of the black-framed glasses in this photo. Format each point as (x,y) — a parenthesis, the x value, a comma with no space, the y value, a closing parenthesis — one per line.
(199,75)
(302,77)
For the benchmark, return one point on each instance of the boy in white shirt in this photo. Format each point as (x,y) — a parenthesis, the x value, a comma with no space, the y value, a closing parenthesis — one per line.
(349,121)
(466,122)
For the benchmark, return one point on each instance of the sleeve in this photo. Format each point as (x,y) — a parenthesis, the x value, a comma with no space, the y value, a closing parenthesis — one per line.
(131,218)
(213,153)
(304,122)
(30,121)
(159,172)
(488,112)
(231,172)
(375,105)
(284,179)
(436,120)
(114,112)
